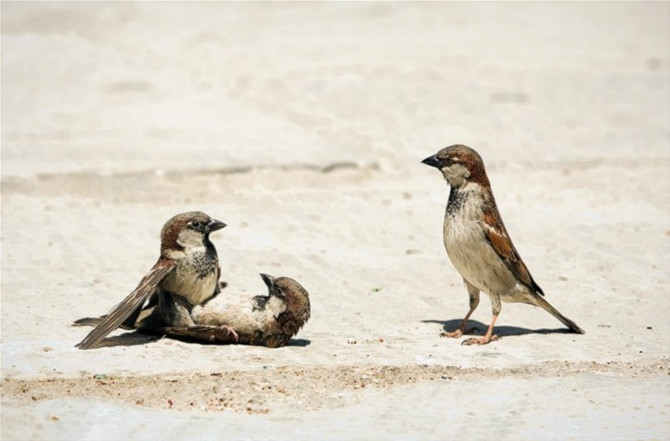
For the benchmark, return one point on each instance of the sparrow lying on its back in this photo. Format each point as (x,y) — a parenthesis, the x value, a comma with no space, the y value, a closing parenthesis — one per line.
(478,244)
(260,320)
(186,274)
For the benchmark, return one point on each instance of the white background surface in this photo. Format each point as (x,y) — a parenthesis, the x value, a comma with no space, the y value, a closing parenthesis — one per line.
(117,116)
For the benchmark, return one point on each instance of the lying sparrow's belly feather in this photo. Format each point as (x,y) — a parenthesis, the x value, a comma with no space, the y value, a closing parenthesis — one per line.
(239,313)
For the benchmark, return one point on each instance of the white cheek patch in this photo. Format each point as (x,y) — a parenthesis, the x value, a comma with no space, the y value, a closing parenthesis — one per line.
(460,170)
(456,173)
(276,306)
(189,239)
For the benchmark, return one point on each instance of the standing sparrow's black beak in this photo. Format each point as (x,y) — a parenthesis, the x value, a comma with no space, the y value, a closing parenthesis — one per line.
(432,161)
(214,225)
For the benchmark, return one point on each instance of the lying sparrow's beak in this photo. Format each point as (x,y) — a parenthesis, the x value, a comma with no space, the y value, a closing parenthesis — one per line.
(214,225)
(273,289)
(269,280)
(432,161)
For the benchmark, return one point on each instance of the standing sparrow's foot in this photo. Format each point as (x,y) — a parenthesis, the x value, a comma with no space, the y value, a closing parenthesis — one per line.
(480,341)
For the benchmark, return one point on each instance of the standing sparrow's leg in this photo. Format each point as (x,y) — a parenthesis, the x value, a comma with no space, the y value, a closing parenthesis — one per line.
(496,306)
(474,301)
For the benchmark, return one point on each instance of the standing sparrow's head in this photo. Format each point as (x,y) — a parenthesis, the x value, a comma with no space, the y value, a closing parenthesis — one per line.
(459,164)
(188,230)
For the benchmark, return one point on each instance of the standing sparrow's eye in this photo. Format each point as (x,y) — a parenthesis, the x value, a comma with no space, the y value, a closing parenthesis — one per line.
(196,224)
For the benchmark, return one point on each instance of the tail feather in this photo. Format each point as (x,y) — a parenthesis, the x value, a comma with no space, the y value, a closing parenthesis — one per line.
(553,311)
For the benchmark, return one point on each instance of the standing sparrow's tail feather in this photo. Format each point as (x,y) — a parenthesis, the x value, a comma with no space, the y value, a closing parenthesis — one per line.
(553,311)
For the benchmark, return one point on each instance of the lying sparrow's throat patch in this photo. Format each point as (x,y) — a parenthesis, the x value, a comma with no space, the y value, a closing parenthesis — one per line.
(272,304)
(259,303)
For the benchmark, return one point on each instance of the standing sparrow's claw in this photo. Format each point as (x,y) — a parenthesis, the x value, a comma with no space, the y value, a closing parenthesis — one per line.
(480,341)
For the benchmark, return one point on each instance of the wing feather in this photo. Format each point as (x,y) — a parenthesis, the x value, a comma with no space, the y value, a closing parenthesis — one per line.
(130,304)
(496,234)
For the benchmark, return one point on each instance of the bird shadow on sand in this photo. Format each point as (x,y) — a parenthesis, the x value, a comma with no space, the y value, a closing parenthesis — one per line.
(299,342)
(293,342)
(128,339)
(478,328)
(139,338)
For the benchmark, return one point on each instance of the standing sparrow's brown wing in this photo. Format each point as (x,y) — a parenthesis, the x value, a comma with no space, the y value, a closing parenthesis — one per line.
(496,234)
(130,304)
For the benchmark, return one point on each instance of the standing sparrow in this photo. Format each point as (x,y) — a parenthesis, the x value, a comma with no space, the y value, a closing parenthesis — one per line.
(478,244)
(269,320)
(186,274)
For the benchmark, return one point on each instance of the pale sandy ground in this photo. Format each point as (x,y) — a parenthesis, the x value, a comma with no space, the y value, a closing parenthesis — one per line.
(302,127)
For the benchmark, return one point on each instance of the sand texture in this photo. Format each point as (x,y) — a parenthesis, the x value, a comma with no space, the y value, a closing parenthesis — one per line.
(302,126)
